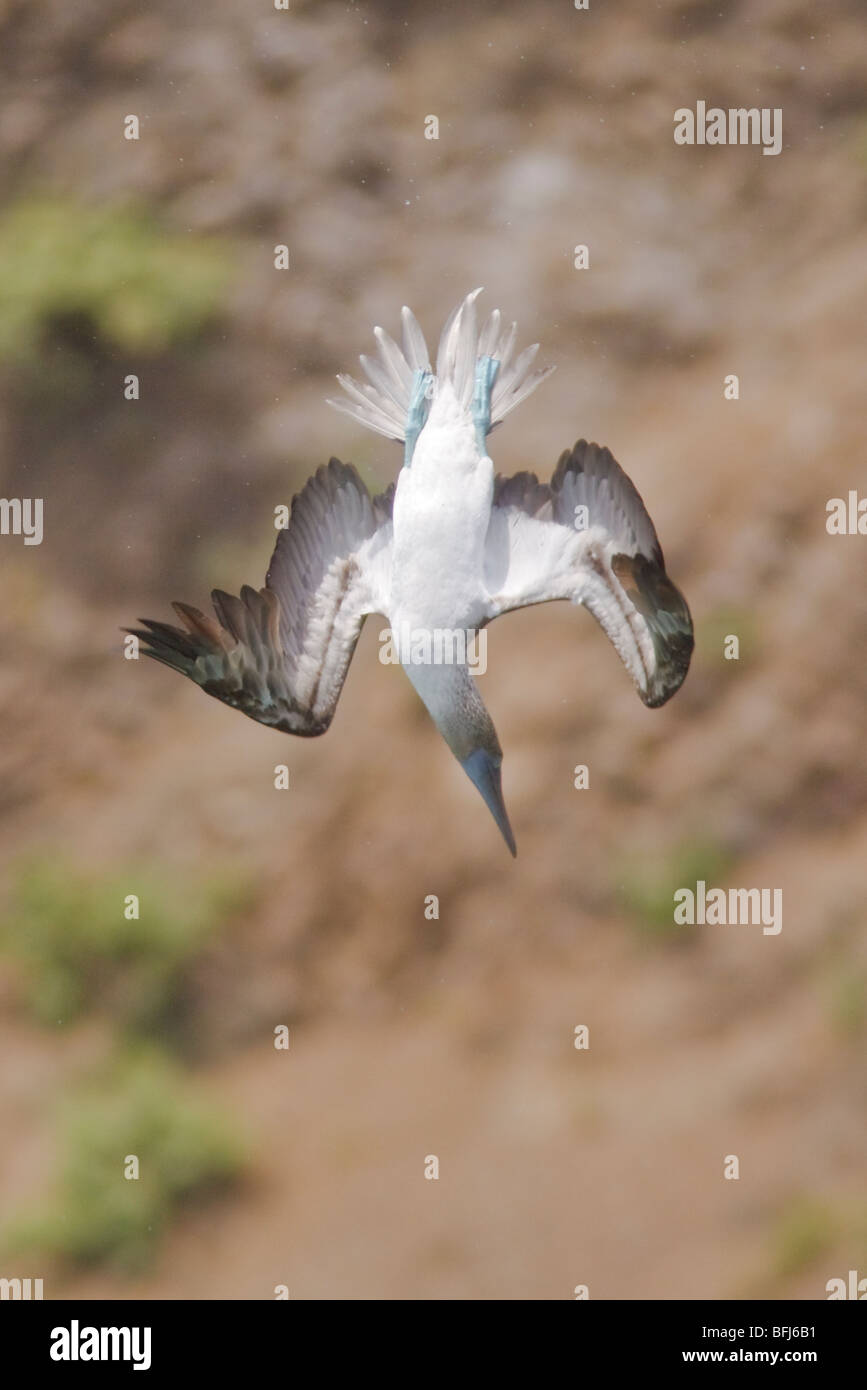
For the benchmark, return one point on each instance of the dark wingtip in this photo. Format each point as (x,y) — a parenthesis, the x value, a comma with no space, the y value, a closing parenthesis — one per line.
(668,619)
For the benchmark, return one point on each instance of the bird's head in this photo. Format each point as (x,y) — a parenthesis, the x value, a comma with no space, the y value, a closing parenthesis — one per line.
(469,731)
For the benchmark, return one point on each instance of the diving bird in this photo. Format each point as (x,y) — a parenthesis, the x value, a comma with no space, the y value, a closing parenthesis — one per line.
(449,547)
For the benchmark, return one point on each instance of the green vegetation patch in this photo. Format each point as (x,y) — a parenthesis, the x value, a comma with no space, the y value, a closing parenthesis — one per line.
(713,634)
(804,1230)
(80,948)
(142,287)
(140,1117)
(646,885)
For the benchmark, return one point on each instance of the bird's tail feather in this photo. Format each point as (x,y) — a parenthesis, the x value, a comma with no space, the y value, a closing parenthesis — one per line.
(382,403)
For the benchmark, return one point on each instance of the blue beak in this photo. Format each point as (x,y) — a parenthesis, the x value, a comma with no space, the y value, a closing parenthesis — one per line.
(484,772)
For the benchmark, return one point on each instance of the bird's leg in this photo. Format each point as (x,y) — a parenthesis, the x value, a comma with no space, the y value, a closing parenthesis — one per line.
(417,413)
(486,375)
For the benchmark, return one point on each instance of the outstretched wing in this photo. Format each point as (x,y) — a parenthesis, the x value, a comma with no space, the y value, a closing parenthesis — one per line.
(586,536)
(280,654)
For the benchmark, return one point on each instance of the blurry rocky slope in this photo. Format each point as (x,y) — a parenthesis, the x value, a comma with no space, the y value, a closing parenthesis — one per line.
(454,1036)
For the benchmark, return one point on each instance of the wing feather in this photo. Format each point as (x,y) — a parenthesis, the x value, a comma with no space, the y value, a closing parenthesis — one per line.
(613,565)
(280,654)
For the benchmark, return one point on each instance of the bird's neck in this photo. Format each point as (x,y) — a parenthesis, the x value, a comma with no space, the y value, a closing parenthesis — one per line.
(451,697)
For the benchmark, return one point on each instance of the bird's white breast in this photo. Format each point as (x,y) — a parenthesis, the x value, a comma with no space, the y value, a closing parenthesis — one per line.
(442,509)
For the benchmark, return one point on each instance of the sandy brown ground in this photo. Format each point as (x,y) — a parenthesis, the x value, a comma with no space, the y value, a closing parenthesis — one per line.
(411,1037)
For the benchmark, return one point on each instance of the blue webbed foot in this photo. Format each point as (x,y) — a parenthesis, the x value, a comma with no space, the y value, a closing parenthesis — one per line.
(417,413)
(486,375)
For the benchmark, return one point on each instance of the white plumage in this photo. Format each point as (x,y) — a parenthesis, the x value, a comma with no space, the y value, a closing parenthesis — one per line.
(451,547)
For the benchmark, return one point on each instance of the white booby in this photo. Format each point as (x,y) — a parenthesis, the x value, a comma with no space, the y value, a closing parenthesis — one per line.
(449,547)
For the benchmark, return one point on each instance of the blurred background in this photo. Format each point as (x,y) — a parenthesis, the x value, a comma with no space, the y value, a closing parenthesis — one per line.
(409,1035)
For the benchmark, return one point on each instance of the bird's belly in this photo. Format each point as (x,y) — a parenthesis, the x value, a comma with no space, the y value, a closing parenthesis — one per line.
(438,550)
